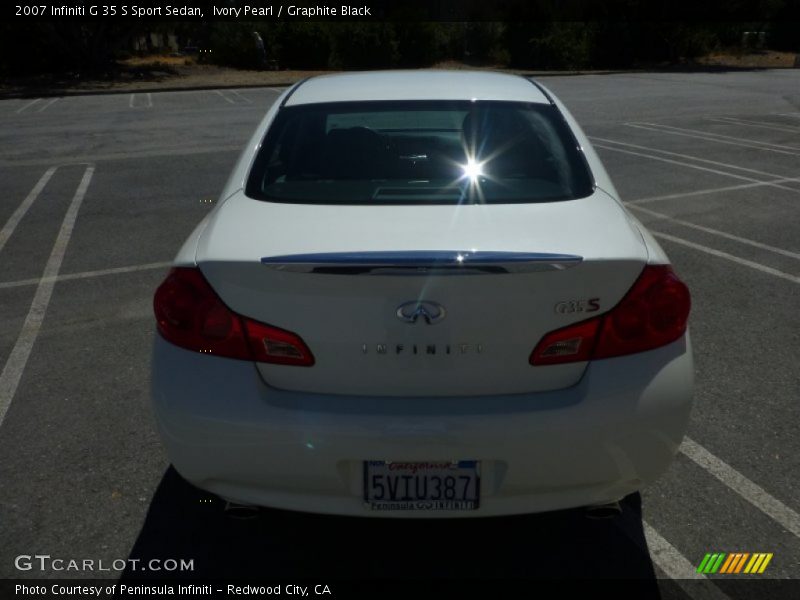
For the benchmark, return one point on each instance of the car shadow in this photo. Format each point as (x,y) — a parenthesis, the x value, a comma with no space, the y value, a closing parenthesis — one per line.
(184,522)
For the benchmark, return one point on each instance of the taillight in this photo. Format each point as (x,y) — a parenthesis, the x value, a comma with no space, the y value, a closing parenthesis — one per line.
(653,313)
(570,344)
(189,314)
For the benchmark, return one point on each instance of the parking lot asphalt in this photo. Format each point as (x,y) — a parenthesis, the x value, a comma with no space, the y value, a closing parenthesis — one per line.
(98,193)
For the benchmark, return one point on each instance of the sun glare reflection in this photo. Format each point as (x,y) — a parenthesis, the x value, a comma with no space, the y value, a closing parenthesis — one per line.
(472,170)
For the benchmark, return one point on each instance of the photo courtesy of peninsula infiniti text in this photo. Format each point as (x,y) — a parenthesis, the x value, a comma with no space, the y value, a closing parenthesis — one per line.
(419,295)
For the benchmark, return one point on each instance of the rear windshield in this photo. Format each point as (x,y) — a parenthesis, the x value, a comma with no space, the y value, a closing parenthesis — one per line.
(439,152)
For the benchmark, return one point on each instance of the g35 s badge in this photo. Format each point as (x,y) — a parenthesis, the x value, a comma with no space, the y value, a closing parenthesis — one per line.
(568,307)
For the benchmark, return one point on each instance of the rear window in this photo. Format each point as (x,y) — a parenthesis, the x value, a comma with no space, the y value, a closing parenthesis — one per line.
(439,152)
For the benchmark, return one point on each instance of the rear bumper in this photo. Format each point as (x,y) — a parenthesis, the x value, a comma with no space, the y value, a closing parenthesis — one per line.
(227,432)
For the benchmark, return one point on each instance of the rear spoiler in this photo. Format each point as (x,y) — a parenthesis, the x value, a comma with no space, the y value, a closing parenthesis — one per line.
(421,262)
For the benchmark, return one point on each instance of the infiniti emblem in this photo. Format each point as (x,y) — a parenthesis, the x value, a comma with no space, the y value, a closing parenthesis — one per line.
(411,311)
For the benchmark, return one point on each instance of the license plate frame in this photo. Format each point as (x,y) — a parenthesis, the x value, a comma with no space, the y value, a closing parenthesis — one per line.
(422,486)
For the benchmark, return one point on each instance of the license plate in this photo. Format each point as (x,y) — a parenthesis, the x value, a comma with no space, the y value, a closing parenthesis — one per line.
(422,485)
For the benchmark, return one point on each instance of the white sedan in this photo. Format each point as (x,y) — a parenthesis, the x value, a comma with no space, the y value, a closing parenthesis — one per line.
(420,295)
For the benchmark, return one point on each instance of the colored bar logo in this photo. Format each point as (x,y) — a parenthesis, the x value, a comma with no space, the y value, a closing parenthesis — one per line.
(734,563)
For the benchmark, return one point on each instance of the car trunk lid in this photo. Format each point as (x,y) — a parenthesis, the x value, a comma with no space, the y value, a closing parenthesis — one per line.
(421,300)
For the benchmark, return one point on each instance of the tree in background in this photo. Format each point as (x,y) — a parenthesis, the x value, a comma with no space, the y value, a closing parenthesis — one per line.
(232,44)
(422,44)
(363,46)
(80,47)
(624,41)
(299,45)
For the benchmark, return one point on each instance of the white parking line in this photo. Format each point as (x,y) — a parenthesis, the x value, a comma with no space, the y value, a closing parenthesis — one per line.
(85,274)
(727,188)
(719,233)
(224,97)
(17,215)
(690,157)
(674,564)
(149,101)
(693,133)
(677,567)
(44,107)
(136,154)
(28,105)
(740,484)
(726,256)
(759,124)
(15,365)
(711,134)
(239,95)
(698,167)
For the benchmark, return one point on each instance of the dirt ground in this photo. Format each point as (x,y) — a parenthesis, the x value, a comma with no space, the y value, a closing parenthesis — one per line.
(763,59)
(153,75)
(170,72)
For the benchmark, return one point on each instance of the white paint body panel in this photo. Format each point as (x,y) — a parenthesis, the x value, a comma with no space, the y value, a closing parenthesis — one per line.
(547,437)
(337,315)
(227,432)
(416,85)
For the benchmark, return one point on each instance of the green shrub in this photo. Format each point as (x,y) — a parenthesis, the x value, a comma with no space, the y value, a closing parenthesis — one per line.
(302,45)
(363,46)
(233,44)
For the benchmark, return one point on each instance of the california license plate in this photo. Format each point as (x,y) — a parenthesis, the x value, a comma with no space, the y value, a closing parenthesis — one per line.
(422,485)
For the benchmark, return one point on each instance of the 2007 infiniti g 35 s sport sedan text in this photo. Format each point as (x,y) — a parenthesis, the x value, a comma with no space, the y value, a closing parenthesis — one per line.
(420,295)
